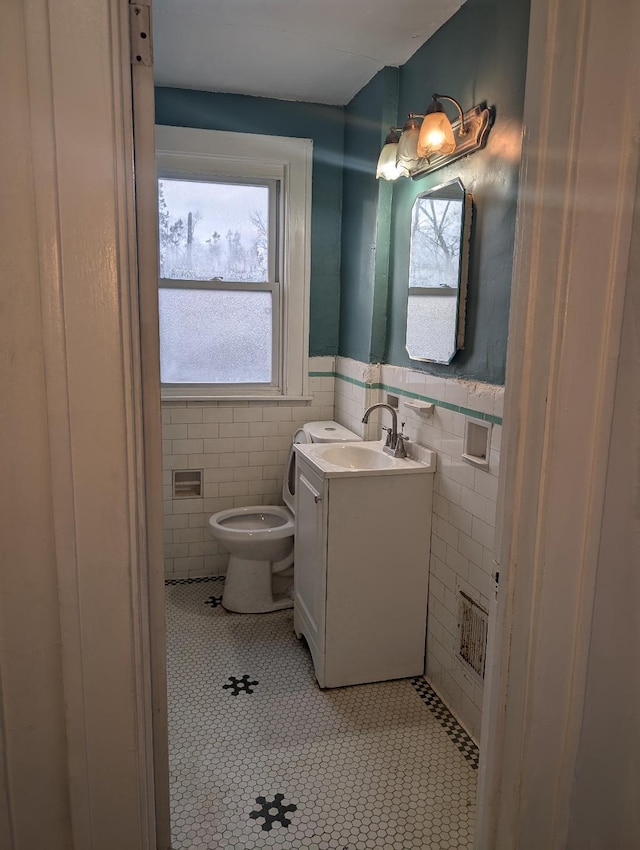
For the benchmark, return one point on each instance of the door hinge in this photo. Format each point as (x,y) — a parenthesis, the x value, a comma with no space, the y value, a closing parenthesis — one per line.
(140,34)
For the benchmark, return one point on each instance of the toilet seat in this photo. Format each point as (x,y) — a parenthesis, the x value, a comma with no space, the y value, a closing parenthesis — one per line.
(259,522)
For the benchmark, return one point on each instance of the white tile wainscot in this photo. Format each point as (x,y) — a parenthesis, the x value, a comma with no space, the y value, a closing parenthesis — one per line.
(356,387)
(464,507)
(242,448)
(243,456)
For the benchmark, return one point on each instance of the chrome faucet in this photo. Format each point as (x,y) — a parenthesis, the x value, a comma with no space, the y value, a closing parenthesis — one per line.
(394,444)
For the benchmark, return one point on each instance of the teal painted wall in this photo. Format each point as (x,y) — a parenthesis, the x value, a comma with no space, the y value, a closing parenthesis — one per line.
(325,126)
(366,219)
(360,226)
(478,55)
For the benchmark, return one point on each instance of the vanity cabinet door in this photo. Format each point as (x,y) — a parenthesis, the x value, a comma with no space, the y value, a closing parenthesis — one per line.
(310,563)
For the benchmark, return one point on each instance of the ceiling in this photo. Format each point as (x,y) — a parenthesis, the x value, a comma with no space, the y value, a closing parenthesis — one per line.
(320,51)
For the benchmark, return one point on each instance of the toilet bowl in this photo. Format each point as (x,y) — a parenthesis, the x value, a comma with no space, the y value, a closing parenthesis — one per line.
(260,538)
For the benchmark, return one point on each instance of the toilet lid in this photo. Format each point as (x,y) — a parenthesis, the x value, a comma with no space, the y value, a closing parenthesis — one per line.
(289,482)
(302,436)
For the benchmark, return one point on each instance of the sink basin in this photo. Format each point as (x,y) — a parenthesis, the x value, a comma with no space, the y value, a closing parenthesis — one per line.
(356,457)
(337,460)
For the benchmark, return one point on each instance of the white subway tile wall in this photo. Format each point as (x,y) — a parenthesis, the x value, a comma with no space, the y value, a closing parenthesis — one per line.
(242,448)
(464,507)
(353,394)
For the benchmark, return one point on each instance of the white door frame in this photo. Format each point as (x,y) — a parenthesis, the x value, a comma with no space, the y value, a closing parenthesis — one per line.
(146,188)
(576,200)
(84,362)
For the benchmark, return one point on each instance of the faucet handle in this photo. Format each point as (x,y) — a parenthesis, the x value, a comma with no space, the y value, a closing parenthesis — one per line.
(400,447)
(389,432)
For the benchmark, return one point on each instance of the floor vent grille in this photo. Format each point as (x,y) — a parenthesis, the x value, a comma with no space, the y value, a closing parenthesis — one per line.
(472,626)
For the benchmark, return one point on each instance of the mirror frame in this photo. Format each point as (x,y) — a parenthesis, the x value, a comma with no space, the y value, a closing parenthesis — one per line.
(463,269)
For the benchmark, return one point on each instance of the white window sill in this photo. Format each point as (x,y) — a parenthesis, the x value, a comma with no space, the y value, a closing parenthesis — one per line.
(168,396)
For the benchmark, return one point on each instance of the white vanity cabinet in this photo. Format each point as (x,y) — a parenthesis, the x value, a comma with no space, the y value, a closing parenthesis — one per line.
(361,572)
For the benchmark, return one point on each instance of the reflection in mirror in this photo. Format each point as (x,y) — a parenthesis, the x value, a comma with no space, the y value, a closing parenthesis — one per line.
(438,269)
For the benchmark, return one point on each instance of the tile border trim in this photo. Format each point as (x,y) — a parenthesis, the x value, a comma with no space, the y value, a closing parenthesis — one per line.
(457,408)
(451,726)
(172,582)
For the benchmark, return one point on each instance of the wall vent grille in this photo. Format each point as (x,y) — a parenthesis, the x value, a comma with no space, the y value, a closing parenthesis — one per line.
(473,623)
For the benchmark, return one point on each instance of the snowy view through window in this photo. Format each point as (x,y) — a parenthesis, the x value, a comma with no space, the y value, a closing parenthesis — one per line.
(213,231)
(217,233)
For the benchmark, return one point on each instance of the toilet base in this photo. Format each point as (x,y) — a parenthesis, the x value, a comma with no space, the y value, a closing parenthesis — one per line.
(248,588)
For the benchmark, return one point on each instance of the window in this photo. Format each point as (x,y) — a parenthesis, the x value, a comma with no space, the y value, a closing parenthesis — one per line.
(234,216)
(219,282)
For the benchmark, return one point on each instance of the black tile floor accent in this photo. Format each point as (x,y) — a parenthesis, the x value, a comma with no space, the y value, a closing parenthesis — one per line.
(454,730)
(368,767)
(242,685)
(270,817)
(214,601)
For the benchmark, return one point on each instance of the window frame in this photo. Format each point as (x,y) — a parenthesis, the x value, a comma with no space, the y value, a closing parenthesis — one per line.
(193,154)
(273,284)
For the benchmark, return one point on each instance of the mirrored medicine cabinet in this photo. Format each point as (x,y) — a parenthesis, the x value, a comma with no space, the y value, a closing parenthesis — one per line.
(438,272)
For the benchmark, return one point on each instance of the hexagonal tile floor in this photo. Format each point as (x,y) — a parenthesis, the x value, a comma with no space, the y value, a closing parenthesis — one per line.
(261,757)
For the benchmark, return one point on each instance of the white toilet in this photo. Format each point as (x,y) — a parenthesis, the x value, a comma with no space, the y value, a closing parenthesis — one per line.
(260,538)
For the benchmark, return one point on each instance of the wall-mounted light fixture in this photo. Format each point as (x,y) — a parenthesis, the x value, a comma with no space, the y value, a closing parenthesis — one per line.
(416,149)
(387,166)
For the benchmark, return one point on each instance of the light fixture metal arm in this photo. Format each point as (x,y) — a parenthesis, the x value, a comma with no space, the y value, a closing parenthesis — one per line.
(463,128)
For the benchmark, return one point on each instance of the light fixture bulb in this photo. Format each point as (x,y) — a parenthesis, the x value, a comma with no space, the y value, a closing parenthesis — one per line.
(435,138)
(436,133)
(408,145)
(387,168)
